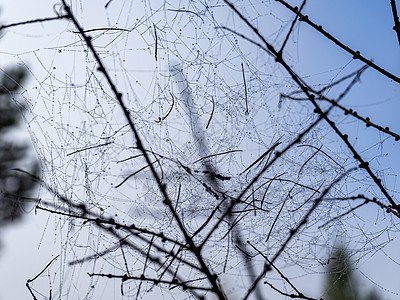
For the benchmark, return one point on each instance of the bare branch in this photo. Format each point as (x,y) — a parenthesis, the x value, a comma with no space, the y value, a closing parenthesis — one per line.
(396,26)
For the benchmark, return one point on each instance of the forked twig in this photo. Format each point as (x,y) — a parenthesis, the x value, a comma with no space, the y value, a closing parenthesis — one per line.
(37,275)
(291,29)
(356,54)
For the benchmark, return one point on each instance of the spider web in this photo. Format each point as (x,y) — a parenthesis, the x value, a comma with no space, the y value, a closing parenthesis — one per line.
(199,95)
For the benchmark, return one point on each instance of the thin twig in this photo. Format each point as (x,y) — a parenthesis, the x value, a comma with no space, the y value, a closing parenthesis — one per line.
(186,11)
(108,3)
(169,110)
(292,296)
(154,280)
(319,150)
(212,155)
(261,157)
(156,45)
(343,214)
(33,21)
(88,148)
(44,269)
(396,26)
(40,273)
(308,199)
(356,73)
(291,29)
(212,112)
(177,200)
(131,175)
(245,90)
(276,218)
(103,29)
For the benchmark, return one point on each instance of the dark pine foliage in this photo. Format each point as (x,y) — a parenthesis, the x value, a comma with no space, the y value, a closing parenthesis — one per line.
(341,282)
(15,186)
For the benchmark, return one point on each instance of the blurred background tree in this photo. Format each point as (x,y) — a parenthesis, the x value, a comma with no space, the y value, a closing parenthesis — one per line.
(15,186)
(341,282)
